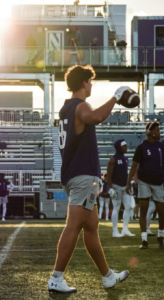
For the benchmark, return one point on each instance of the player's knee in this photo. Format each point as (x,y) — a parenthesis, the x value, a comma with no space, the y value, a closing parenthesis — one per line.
(115,212)
(117,208)
(91,226)
(127,206)
(74,225)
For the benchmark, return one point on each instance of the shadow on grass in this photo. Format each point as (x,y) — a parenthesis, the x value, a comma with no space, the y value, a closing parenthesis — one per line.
(113,294)
(62,296)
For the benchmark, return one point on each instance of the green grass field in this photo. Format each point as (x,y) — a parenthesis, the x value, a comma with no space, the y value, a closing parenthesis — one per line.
(29,264)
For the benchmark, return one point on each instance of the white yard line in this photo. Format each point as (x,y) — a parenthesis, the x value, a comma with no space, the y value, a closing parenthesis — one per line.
(82,248)
(7,248)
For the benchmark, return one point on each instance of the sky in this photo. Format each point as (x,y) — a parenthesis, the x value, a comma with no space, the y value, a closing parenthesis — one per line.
(101,91)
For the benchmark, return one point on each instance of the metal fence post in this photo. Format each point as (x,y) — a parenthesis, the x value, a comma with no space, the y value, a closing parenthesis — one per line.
(146,55)
(44,60)
(154,59)
(90,56)
(52,99)
(62,59)
(136,61)
(16,69)
(108,58)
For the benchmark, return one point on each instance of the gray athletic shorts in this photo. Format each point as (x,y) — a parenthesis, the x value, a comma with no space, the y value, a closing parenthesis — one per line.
(3,199)
(146,190)
(82,190)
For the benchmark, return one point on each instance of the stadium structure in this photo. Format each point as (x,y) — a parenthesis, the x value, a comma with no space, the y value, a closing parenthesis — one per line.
(36,49)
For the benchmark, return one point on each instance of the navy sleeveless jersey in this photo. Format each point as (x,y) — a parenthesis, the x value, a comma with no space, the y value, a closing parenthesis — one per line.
(105,189)
(79,152)
(120,172)
(151,163)
(3,187)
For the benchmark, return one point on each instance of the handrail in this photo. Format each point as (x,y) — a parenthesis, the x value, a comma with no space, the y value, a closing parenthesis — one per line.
(60,11)
(99,56)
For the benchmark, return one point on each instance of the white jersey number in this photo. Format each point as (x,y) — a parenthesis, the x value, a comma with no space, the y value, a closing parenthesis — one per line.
(148,152)
(62,134)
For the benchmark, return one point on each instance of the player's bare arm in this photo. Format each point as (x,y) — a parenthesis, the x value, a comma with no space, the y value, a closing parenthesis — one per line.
(84,113)
(110,168)
(130,176)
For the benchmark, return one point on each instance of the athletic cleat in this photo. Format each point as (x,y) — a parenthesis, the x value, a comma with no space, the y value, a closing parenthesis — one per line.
(160,241)
(3,219)
(109,282)
(116,234)
(144,245)
(149,233)
(59,285)
(126,232)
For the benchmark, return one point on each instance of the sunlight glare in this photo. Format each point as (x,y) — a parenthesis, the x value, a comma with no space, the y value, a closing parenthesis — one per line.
(5,9)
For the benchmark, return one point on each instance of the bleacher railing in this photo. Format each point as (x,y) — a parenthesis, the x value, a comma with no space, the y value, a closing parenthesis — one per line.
(36,117)
(42,57)
(87,10)
(25,115)
(27,181)
(132,115)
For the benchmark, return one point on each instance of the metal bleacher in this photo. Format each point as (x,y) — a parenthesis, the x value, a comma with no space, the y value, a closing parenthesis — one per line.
(116,119)
(26,154)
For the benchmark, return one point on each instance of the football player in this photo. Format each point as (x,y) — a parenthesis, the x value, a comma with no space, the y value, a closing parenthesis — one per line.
(117,178)
(150,157)
(81,177)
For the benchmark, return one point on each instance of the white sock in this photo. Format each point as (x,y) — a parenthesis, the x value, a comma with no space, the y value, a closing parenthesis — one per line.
(131,213)
(160,233)
(126,218)
(4,210)
(100,212)
(108,274)
(107,213)
(114,219)
(57,274)
(144,236)
(101,207)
